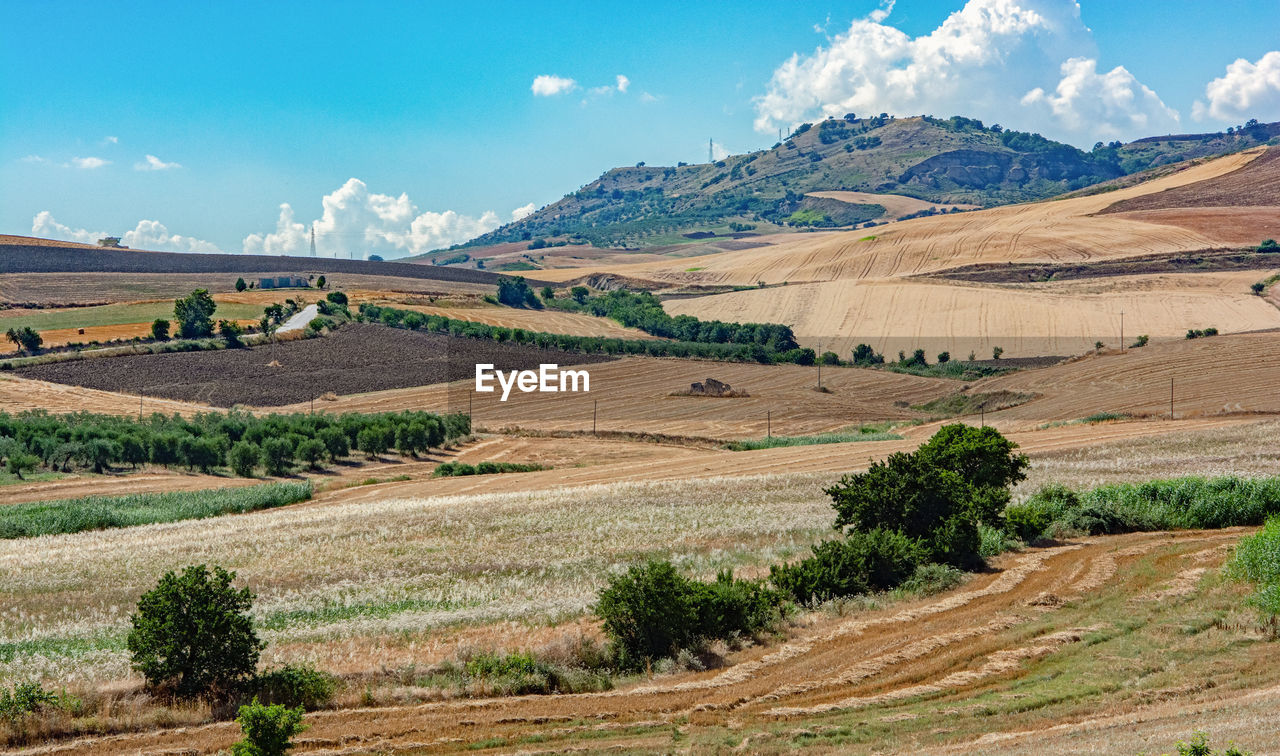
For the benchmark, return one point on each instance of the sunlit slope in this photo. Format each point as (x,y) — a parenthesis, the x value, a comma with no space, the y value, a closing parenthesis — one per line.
(1055,231)
(1053,318)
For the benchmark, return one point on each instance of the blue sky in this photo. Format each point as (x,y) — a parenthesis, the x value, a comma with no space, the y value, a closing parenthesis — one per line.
(244,107)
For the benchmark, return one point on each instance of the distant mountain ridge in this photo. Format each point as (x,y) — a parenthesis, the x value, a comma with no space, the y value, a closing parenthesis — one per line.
(947,161)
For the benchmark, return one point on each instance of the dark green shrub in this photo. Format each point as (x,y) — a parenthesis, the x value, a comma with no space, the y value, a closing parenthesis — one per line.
(277,456)
(337,297)
(730,607)
(160,329)
(649,612)
(1027,522)
(268,730)
(295,686)
(310,451)
(243,458)
(194,314)
(937,494)
(863,562)
(192,635)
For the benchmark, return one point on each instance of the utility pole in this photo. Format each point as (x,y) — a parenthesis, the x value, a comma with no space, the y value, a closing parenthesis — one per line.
(313,240)
(819,365)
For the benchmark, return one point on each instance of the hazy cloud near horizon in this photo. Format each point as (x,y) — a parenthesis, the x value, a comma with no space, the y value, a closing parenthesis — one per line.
(357,222)
(1028,64)
(148,234)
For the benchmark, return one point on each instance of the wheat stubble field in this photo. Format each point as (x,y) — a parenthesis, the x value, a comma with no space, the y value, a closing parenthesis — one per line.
(1123,643)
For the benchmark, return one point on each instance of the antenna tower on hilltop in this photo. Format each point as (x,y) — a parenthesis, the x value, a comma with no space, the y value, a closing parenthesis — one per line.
(711,155)
(313,240)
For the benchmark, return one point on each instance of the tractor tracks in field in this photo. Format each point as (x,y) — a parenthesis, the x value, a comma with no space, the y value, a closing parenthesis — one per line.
(987,630)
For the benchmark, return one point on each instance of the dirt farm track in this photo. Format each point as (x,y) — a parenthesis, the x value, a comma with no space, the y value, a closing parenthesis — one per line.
(943,649)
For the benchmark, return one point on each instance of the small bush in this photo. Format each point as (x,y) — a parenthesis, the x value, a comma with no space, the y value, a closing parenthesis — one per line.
(864,562)
(26,699)
(449,469)
(295,686)
(649,612)
(268,730)
(1027,522)
(1198,745)
(243,458)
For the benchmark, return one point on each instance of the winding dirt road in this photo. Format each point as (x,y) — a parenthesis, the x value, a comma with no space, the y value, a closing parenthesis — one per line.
(984,632)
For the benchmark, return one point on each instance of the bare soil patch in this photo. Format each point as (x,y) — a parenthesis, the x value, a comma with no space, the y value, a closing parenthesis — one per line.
(1255,184)
(357,358)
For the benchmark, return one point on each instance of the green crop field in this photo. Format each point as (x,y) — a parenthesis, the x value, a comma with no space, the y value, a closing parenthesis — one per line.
(118,314)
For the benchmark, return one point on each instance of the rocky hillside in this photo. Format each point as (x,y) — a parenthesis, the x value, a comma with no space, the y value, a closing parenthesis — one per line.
(957,161)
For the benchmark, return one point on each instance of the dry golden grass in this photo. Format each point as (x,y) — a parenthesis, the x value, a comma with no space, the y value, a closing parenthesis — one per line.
(1060,319)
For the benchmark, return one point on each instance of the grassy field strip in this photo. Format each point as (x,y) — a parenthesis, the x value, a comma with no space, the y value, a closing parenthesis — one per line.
(368,574)
(42,518)
(120,314)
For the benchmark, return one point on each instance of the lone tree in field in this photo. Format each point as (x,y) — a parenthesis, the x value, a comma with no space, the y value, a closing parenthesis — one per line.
(936,495)
(160,329)
(515,292)
(194,314)
(241,285)
(579,294)
(25,339)
(192,635)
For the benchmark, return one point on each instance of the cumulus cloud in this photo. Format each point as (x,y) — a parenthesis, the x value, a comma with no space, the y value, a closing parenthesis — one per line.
(623,83)
(718,151)
(1247,90)
(1108,106)
(153,163)
(522,212)
(89,163)
(1029,64)
(356,222)
(148,234)
(549,85)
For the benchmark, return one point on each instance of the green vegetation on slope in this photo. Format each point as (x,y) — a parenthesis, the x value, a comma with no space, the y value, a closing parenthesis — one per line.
(949,161)
(100,512)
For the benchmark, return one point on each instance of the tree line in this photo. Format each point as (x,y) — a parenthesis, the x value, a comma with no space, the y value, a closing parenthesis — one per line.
(208,441)
(728,351)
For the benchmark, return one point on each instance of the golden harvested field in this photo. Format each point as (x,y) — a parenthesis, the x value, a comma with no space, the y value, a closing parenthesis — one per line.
(1059,318)
(1217,376)
(1051,231)
(636,395)
(895,205)
(1061,623)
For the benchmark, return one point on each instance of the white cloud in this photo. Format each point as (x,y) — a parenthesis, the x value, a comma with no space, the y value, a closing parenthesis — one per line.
(992,59)
(522,211)
(1247,90)
(148,234)
(89,163)
(151,234)
(646,97)
(1108,106)
(153,163)
(549,85)
(356,222)
(623,83)
(33,159)
(718,151)
(111,140)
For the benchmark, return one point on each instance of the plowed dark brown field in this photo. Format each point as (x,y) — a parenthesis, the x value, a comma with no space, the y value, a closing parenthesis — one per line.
(356,358)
